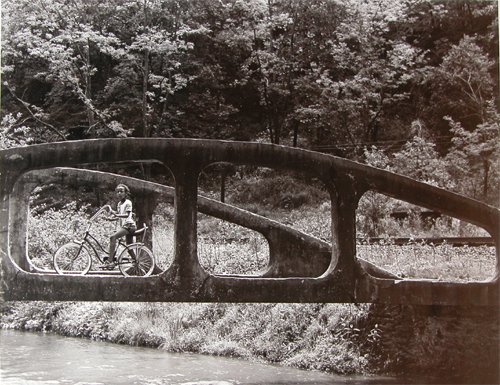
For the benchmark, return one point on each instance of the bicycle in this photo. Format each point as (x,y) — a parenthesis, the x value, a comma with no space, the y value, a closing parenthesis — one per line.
(75,257)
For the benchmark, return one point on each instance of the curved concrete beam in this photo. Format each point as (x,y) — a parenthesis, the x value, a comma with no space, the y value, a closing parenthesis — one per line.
(185,280)
(292,253)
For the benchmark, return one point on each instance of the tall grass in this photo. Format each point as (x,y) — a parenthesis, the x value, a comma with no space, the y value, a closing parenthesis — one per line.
(226,248)
(442,262)
(163,237)
(298,335)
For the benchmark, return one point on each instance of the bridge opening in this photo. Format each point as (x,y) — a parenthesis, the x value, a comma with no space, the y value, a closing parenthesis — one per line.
(53,207)
(54,214)
(295,200)
(163,235)
(413,242)
(226,248)
(51,226)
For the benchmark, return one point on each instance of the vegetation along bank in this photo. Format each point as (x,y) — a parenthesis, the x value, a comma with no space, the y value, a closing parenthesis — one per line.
(449,343)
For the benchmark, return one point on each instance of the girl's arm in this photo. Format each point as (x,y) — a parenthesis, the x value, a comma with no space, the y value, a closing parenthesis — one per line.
(127,214)
(113,215)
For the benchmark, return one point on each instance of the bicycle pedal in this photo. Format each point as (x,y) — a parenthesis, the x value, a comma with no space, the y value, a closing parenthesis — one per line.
(109,266)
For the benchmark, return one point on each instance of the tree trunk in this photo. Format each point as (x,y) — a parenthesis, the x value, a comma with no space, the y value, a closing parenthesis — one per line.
(145,76)
(295,133)
(277,136)
(486,170)
(88,87)
(145,70)
(223,185)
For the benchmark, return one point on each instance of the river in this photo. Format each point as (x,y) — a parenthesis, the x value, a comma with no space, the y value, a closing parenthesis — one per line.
(37,358)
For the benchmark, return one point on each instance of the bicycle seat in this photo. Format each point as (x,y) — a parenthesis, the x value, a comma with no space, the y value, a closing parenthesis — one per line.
(140,231)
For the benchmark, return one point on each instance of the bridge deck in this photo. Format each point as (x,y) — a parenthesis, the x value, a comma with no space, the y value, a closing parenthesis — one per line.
(301,268)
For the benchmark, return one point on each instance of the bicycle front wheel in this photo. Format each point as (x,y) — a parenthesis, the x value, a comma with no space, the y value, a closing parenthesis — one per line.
(136,260)
(72,258)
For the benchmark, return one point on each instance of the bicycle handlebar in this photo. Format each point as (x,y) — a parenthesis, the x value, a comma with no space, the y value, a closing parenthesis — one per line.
(105,207)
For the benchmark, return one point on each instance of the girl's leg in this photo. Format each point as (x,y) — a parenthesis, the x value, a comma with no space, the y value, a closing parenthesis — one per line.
(129,238)
(112,241)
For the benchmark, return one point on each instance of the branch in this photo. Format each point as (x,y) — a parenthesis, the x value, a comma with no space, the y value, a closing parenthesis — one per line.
(472,94)
(88,103)
(26,105)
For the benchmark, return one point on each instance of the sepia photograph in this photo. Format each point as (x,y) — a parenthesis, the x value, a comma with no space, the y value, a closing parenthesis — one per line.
(249,192)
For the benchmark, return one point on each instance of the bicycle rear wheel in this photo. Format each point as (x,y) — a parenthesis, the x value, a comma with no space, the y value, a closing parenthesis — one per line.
(72,258)
(136,260)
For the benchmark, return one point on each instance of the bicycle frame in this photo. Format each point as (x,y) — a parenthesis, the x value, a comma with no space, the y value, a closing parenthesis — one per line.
(139,261)
(87,238)
(85,241)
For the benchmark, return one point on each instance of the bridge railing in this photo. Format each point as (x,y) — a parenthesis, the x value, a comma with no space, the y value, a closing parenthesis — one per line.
(341,277)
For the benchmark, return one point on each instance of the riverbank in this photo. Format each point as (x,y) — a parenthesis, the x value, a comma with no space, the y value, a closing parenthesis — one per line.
(452,344)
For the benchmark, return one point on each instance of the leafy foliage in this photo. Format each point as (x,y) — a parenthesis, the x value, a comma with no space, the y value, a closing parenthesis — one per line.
(476,154)
(278,191)
(334,71)
(345,75)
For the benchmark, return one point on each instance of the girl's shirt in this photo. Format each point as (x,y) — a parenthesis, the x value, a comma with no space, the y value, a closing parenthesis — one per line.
(125,207)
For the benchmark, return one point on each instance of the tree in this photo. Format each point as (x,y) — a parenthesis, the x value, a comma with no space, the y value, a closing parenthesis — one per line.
(283,71)
(417,159)
(158,48)
(457,38)
(14,133)
(60,41)
(465,77)
(476,155)
(466,90)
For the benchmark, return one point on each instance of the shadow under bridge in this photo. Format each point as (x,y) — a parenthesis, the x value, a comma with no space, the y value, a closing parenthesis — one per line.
(301,267)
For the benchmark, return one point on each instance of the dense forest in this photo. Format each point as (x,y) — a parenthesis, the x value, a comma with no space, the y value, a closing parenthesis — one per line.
(407,85)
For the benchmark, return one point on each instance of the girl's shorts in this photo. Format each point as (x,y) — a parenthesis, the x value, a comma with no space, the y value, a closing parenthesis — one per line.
(130,227)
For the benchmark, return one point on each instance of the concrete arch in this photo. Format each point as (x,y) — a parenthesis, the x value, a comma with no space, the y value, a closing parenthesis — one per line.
(344,280)
(293,253)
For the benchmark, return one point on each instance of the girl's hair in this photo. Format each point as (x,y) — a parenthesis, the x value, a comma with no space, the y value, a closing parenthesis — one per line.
(125,187)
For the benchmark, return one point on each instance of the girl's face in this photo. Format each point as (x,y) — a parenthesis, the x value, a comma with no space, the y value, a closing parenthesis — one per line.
(120,193)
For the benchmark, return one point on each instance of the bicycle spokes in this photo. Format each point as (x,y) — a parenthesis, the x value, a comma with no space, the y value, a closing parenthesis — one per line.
(72,258)
(136,260)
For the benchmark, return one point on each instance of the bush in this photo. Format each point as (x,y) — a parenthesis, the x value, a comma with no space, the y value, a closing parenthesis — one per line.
(33,316)
(455,343)
(226,348)
(282,191)
(226,248)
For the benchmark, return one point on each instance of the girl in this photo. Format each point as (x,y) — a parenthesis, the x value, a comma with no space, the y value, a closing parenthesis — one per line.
(126,220)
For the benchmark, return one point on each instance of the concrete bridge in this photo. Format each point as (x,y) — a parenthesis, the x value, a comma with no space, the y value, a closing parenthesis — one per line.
(301,268)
